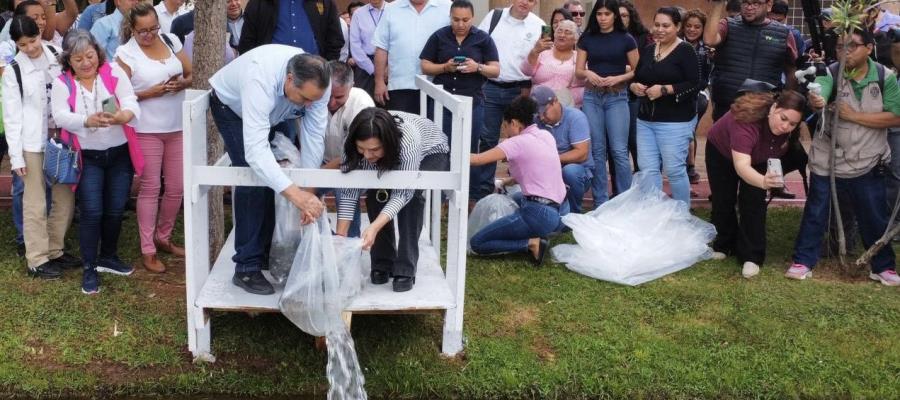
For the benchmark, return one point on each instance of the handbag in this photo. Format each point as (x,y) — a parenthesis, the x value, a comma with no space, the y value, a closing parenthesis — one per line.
(60,162)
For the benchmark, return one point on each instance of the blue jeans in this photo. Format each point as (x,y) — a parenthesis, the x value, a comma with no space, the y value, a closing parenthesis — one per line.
(664,145)
(18,190)
(577,179)
(102,193)
(354,225)
(254,206)
(496,99)
(608,117)
(867,196)
(511,233)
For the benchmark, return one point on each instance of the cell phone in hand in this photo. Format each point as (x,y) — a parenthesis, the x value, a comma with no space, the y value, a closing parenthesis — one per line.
(110,105)
(774,166)
(459,59)
(173,78)
(545,32)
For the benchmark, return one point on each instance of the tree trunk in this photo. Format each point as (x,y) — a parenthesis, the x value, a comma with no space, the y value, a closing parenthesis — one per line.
(209,56)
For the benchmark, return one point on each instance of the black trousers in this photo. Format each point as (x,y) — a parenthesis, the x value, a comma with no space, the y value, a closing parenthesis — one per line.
(404,100)
(401,260)
(740,230)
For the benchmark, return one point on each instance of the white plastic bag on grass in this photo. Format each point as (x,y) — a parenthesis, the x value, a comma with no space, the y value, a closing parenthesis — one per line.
(489,209)
(638,236)
(286,235)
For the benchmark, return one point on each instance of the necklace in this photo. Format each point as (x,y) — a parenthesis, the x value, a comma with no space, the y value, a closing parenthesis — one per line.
(659,51)
(87,110)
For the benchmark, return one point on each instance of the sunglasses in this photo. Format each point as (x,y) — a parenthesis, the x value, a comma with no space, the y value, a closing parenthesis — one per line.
(578,13)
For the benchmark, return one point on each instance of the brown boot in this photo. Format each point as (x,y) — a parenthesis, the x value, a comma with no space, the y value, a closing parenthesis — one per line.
(170,248)
(152,264)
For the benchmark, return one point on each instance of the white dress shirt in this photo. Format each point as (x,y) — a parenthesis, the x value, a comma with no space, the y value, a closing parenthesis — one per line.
(259,76)
(339,122)
(89,102)
(166,18)
(26,117)
(514,38)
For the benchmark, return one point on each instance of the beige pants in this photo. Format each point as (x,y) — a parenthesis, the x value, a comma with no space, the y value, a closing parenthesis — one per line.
(44,235)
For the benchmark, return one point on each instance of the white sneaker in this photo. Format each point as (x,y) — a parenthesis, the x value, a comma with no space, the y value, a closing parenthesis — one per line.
(798,272)
(718,255)
(750,269)
(887,278)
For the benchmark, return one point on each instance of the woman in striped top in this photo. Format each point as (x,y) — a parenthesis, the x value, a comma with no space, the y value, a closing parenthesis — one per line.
(391,141)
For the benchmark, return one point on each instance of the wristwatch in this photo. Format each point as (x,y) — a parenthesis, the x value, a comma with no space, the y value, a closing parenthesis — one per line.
(480,68)
(665,90)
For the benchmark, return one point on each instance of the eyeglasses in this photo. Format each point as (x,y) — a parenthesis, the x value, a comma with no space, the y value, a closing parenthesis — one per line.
(578,13)
(753,3)
(149,31)
(851,47)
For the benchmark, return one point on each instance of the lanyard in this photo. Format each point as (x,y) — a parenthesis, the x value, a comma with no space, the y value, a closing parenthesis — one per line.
(371,15)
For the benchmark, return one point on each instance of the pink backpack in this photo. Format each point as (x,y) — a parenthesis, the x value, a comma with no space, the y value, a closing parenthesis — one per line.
(110,82)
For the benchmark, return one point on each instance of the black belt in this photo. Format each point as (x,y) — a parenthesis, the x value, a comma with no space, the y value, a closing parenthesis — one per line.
(542,200)
(510,85)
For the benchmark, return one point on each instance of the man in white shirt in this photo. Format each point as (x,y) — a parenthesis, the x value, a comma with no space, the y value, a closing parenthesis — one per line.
(404,28)
(346,102)
(279,83)
(515,33)
(166,11)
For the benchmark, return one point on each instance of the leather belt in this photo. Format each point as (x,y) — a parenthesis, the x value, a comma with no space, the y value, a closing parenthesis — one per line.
(542,200)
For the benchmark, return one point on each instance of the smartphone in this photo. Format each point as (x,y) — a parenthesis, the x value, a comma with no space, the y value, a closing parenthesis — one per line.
(545,32)
(110,106)
(459,59)
(774,166)
(173,78)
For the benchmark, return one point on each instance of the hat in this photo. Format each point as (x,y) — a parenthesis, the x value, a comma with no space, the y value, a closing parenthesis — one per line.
(755,86)
(827,13)
(543,96)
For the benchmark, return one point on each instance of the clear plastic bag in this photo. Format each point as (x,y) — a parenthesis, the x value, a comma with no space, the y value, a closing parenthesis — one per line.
(349,256)
(638,236)
(286,235)
(311,298)
(324,278)
(489,209)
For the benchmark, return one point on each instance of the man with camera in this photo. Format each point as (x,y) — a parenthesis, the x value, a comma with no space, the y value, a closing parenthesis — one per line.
(867,100)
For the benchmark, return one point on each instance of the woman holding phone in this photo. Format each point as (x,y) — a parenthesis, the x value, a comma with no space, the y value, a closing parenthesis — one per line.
(110,153)
(738,148)
(462,58)
(159,72)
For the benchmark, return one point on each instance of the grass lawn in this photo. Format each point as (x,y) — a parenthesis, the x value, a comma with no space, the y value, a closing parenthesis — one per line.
(531,333)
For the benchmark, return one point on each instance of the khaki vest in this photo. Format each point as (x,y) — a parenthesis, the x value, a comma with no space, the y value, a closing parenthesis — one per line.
(859,149)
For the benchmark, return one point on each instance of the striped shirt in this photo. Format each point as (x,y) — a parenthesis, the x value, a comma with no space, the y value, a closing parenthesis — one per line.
(421,138)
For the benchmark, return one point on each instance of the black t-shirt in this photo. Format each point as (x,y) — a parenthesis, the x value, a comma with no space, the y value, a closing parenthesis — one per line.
(681,69)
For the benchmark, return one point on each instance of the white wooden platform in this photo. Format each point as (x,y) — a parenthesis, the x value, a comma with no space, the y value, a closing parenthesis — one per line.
(438,288)
(430,293)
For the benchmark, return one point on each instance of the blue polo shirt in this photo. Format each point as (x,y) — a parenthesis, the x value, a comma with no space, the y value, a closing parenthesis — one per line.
(292,27)
(442,46)
(573,128)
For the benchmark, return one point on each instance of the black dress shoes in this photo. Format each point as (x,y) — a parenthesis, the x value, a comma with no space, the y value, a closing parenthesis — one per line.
(403,283)
(379,277)
(542,251)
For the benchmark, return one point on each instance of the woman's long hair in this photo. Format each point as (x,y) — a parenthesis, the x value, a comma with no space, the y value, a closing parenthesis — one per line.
(635,27)
(142,9)
(374,122)
(593,26)
(76,41)
(754,106)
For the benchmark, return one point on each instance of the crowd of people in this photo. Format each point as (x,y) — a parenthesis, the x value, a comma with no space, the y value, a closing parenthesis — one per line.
(582,101)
